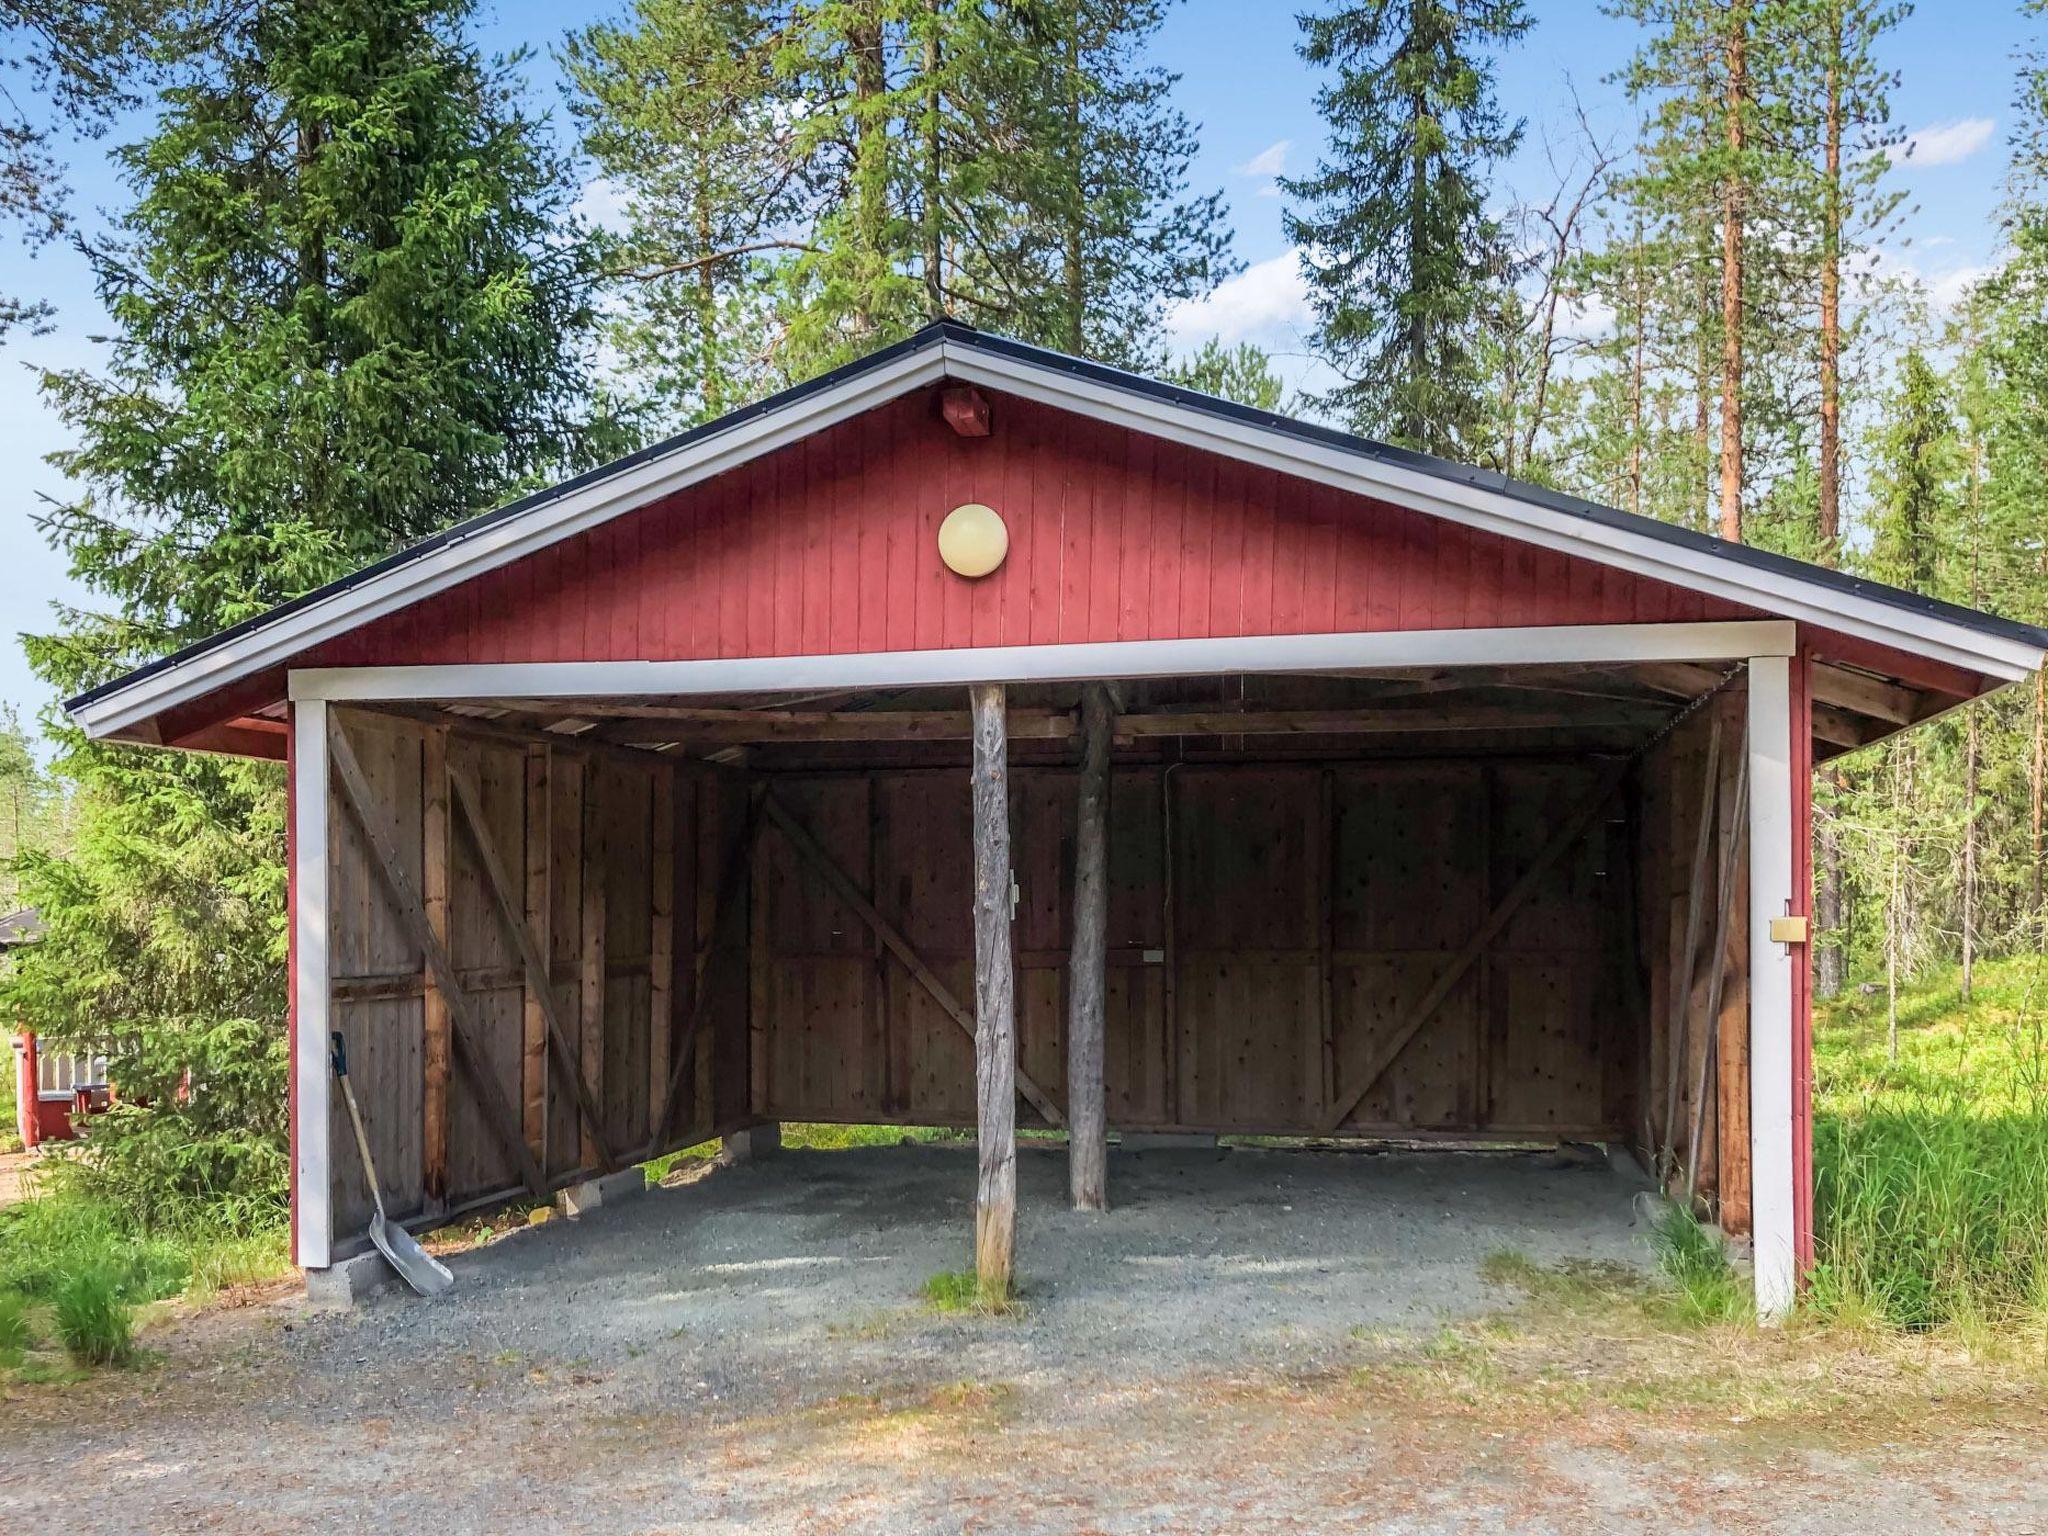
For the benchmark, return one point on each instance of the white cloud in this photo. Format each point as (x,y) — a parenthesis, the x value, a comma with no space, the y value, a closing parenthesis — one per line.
(1266,297)
(1946,143)
(603,203)
(1943,289)
(1270,161)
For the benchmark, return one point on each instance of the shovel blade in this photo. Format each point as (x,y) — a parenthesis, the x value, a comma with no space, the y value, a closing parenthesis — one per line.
(418,1268)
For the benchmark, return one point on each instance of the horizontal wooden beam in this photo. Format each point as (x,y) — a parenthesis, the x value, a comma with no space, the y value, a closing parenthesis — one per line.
(710,727)
(1862,694)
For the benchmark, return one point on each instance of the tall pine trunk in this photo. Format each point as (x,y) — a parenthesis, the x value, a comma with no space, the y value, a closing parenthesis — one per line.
(934,170)
(1971,747)
(1073,253)
(871,153)
(1829,521)
(1733,198)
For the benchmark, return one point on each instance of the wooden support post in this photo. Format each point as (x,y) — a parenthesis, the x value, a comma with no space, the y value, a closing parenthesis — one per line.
(1087,974)
(359,803)
(436,1060)
(995,1021)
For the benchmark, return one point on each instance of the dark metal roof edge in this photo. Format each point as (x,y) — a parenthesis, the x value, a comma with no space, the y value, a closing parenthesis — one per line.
(469,527)
(1285,426)
(1520,490)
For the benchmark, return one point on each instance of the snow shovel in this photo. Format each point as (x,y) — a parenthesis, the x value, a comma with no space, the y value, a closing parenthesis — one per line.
(420,1269)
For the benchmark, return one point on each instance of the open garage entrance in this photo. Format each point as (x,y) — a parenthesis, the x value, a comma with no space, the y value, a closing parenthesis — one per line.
(1233,776)
(1432,904)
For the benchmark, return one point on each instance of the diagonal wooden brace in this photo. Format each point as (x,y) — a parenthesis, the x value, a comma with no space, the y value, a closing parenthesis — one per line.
(1568,832)
(470,813)
(357,800)
(843,886)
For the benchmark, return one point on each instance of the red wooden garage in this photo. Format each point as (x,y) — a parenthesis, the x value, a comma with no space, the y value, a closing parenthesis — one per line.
(977,735)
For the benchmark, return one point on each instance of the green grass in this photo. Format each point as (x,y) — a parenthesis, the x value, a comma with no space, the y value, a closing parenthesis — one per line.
(76,1262)
(1931,1171)
(1704,1286)
(959,1290)
(10,1132)
(92,1318)
(14,1330)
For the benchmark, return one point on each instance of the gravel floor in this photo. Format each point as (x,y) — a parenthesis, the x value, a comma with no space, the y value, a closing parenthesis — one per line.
(747,1353)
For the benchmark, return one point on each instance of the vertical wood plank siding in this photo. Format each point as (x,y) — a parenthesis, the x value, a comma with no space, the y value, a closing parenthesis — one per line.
(1538,1040)
(830,546)
(541,804)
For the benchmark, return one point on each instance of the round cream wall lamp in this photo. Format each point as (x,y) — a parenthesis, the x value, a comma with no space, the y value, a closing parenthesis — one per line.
(973,540)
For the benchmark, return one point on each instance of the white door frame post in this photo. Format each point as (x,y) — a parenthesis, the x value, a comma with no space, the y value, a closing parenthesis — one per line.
(312,1177)
(1772,990)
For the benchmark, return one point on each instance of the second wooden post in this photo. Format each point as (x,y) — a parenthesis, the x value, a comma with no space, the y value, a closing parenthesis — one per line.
(1087,1125)
(995,1018)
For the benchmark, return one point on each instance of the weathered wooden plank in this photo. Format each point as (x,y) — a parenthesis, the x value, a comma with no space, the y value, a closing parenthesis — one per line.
(1087,970)
(434,900)
(1718,976)
(709,728)
(1568,832)
(1681,988)
(508,905)
(995,1007)
(498,1114)
(843,886)
(725,899)
(661,941)
(540,999)
(591,984)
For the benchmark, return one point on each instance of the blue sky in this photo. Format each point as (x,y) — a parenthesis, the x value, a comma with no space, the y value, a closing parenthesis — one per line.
(1241,80)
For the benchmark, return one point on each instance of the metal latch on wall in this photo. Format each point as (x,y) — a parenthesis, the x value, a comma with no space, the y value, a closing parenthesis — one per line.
(1790,929)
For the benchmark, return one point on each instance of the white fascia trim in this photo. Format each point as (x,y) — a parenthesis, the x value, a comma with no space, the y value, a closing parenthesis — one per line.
(1771,1074)
(510,540)
(1494,512)
(313,1185)
(1612,644)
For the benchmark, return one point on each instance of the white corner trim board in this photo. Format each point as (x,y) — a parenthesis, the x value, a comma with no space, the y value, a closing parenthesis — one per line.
(1778,592)
(312,1170)
(1771,1077)
(1589,643)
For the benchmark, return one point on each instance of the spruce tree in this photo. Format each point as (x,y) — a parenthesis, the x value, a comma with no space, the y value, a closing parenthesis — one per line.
(347,310)
(1403,260)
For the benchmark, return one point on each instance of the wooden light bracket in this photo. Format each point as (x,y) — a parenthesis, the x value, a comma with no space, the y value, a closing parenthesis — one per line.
(966,410)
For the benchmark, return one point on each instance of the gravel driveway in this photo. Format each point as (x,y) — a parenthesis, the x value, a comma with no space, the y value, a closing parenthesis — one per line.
(748,1353)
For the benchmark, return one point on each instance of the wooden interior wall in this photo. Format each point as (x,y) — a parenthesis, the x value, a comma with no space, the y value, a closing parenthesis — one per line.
(614,865)
(1674,793)
(1268,924)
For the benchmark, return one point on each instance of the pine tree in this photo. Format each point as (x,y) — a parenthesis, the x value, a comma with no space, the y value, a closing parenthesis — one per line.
(1243,373)
(346,313)
(826,177)
(1404,262)
(65,68)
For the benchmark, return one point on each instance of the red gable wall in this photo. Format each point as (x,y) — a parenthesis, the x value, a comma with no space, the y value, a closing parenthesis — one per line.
(832,545)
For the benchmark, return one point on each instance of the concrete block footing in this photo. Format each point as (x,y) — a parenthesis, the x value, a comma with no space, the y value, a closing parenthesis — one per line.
(1167,1141)
(763,1140)
(350,1281)
(591,1194)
